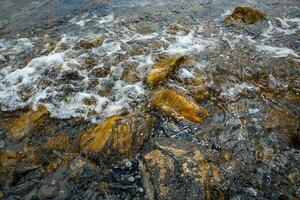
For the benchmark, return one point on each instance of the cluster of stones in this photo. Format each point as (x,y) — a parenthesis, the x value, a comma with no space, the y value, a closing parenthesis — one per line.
(166,163)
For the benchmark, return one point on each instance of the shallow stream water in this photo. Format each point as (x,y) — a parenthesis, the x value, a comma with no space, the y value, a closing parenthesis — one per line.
(88,60)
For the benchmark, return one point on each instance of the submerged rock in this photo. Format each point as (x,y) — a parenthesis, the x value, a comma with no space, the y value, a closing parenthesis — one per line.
(179,170)
(173,104)
(163,68)
(247,15)
(118,136)
(91,43)
(25,124)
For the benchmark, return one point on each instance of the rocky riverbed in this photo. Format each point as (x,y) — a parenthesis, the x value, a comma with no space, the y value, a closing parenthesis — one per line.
(149,99)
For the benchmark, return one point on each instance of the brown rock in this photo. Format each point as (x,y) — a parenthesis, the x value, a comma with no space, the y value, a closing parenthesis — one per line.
(163,68)
(247,15)
(173,104)
(179,170)
(27,123)
(284,121)
(118,136)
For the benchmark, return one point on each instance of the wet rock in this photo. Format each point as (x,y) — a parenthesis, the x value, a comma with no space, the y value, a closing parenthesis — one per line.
(47,192)
(247,15)
(179,170)
(118,136)
(173,104)
(130,73)
(8,162)
(91,43)
(147,183)
(27,123)
(163,68)
(284,121)
(60,142)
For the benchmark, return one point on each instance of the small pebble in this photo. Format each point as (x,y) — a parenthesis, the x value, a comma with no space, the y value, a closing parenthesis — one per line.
(141,190)
(137,176)
(131,179)
(128,164)
(1,144)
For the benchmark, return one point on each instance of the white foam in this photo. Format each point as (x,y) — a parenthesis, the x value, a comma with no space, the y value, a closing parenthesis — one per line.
(83,20)
(106,19)
(234,91)
(189,44)
(184,74)
(277,52)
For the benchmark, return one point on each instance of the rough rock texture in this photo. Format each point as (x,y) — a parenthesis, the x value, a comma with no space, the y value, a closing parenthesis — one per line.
(247,15)
(173,104)
(163,68)
(22,126)
(180,171)
(286,122)
(117,136)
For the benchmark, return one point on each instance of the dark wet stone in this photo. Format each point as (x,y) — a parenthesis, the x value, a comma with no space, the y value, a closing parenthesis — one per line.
(178,170)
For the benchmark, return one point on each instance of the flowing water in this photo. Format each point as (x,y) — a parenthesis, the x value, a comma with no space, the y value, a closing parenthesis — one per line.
(89,60)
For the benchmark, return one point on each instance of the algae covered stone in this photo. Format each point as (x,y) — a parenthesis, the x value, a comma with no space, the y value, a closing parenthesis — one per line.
(118,136)
(163,68)
(173,104)
(247,15)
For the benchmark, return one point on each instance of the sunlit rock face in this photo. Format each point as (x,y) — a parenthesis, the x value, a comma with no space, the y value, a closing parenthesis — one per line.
(118,136)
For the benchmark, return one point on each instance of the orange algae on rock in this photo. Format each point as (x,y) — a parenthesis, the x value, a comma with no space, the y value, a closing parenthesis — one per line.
(163,68)
(118,136)
(171,103)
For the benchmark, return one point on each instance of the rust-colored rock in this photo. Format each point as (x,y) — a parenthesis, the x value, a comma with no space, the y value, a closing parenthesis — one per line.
(118,136)
(247,15)
(27,123)
(173,104)
(163,68)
